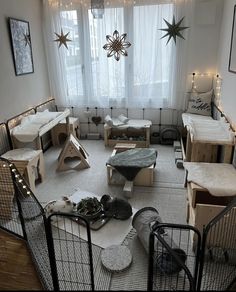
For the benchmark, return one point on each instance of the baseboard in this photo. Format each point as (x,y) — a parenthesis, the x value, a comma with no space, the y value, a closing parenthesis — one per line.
(93,136)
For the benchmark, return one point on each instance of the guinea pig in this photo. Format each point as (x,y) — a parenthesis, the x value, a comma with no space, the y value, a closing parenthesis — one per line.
(65,205)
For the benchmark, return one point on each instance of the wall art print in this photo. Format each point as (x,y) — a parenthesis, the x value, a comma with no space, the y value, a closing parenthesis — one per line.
(21,46)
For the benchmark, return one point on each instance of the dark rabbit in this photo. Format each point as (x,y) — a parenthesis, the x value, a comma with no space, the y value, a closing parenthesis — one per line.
(116,207)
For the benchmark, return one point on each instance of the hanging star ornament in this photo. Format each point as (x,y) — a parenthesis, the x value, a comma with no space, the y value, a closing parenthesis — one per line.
(174,29)
(116,45)
(62,39)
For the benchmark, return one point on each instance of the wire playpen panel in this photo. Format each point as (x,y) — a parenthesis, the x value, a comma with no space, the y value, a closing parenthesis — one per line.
(64,261)
(9,213)
(173,266)
(218,262)
(72,255)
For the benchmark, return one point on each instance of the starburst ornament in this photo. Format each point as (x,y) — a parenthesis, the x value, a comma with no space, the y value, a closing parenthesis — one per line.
(62,39)
(116,45)
(174,29)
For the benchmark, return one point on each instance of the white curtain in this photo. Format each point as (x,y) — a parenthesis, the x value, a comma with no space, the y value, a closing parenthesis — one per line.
(152,75)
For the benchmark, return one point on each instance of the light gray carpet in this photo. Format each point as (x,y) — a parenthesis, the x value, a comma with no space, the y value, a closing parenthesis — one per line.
(167,195)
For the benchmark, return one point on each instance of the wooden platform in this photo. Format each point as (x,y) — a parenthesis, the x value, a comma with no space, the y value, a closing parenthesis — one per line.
(143,178)
(207,152)
(131,134)
(17,271)
(202,207)
(60,131)
(27,164)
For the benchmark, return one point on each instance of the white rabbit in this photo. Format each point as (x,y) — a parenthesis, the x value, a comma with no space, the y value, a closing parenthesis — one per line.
(65,205)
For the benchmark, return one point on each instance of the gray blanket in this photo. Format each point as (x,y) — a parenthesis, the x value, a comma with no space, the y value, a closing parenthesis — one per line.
(128,163)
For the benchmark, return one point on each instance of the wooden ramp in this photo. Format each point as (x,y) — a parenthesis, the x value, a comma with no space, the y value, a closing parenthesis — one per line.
(17,271)
(73,150)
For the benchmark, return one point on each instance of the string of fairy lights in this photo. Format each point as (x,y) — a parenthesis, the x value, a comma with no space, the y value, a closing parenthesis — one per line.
(18,178)
(216,84)
(87,3)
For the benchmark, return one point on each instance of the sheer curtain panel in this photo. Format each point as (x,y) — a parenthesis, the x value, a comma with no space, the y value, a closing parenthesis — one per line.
(150,76)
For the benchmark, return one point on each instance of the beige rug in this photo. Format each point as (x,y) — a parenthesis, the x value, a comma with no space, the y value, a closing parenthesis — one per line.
(113,232)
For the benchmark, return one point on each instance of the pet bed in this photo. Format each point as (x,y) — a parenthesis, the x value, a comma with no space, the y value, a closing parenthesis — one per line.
(125,130)
(29,127)
(207,176)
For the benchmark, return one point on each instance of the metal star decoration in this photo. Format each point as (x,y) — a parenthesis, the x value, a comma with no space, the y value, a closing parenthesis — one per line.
(173,29)
(116,45)
(62,39)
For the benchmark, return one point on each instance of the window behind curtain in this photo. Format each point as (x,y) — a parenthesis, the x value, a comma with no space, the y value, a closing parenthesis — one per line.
(139,80)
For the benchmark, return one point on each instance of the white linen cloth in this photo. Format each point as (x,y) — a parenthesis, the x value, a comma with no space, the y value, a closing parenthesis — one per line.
(218,178)
(205,129)
(30,126)
(187,117)
(113,232)
(21,154)
(132,123)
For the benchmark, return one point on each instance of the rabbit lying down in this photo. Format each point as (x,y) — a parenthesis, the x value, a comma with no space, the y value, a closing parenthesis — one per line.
(64,205)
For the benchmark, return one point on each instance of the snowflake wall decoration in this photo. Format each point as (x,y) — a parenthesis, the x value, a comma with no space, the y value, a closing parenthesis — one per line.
(116,45)
(62,39)
(173,29)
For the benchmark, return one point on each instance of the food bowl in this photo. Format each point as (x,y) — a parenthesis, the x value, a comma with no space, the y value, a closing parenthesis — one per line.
(89,208)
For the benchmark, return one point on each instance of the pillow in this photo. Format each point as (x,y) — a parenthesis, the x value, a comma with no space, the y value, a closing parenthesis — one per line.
(200,103)
(123,119)
(27,119)
(108,120)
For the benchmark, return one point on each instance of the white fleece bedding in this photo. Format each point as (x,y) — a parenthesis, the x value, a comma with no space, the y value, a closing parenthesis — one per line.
(206,129)
(31,125)
(187,117)
(132,123)
(218,178)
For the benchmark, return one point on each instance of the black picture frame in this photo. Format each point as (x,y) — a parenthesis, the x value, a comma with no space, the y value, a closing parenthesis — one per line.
(232,54)
(21,46)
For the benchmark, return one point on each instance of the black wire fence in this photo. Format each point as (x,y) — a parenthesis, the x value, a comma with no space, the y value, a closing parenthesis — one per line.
(64,261)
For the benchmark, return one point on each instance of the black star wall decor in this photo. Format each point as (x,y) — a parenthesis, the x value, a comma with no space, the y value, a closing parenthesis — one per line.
(174,29)
(62,39)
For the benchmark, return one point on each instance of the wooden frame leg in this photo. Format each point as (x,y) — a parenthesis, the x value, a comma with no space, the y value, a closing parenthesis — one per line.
(41,167)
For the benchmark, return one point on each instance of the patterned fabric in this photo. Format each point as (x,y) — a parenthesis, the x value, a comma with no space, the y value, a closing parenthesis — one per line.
(200,103)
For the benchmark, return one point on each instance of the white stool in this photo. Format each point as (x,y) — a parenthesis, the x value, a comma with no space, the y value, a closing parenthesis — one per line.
(27,161)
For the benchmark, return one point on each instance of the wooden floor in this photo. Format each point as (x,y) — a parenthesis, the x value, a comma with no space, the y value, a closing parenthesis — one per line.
(17,271)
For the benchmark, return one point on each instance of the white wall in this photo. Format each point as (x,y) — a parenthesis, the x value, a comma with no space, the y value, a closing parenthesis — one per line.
(18,93)
(228,88)
(204,36)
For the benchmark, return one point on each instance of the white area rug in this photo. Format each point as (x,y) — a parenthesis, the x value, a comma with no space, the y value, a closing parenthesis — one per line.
(113,232)
(167,195)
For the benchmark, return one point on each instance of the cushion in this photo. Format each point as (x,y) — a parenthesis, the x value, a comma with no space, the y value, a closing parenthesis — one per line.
(27,119)
(108,120)
(123,119)
(200,103)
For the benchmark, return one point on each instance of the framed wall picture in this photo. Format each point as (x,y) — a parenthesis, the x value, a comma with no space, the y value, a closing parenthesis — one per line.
(232,55)
(21,46)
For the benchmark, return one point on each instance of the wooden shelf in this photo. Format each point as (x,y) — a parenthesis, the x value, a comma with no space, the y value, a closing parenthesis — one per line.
(110,133)
(202,207)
